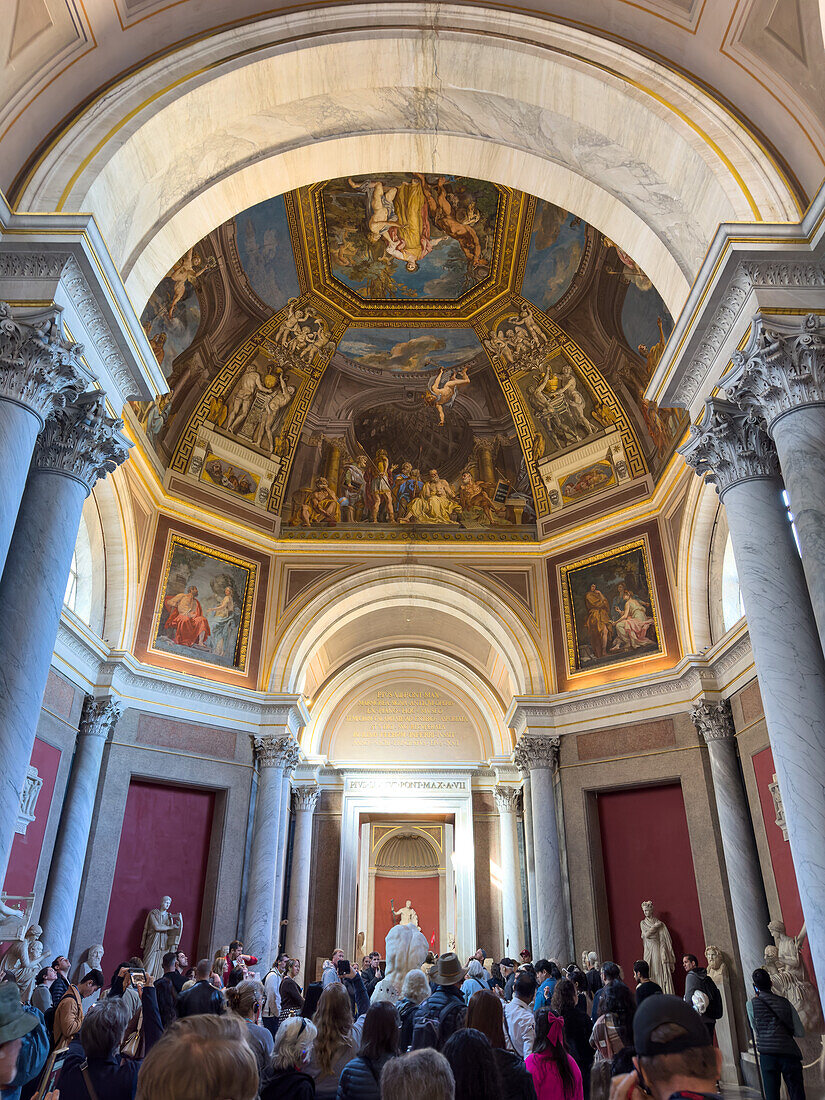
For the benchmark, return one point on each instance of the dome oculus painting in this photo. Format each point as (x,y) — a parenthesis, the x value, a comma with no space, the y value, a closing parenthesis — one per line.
(406,355)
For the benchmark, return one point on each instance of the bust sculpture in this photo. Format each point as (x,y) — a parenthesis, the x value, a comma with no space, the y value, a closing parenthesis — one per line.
(658,948)
(93,960)
(23,959)
(717,964)
(161,933)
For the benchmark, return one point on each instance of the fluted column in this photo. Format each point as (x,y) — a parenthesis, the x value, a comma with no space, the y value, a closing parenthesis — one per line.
(79,444)
(304,800)
(540,756)
(37,368)
(733,451)
(747,890)
(780,376)
(507,802)
(275,756)
(97,721)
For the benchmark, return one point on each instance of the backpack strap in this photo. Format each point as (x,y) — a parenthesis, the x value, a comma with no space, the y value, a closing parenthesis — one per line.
(84,1069)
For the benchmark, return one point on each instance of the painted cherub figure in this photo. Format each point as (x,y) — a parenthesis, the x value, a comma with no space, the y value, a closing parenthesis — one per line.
(188,269)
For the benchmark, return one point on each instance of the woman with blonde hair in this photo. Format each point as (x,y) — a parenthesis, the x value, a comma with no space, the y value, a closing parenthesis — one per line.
(246,999)
(219,962)
(287,1077)
(414,991)
(336,1042)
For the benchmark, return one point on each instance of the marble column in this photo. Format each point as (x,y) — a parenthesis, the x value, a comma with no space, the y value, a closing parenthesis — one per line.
(275,756)
(529,861)
(507,802)
(304,800)
(97,722)
(37,369)
(78,445)
(747,890)
(780,376)
(540,756)
(734,452)
(332,471)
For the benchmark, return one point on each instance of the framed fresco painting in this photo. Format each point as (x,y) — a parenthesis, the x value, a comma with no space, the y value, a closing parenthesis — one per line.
(610,605)
(203,610)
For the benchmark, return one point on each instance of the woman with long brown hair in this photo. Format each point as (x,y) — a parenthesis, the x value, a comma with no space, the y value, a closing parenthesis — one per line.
(486,1014)
(336,1042)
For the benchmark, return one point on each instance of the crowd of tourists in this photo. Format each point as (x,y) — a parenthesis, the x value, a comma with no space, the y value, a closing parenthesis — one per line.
(512,1030)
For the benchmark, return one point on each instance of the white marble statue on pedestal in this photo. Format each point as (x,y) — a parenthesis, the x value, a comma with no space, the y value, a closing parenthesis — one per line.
(789,977)
(725,1031)
(406,914)
(23,959)
(161,933)
(12,921)
(93,961)
(658,948)
(406,950)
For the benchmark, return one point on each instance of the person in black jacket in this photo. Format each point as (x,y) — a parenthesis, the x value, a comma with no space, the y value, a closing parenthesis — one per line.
(286,1079)
(485,1013)
(361,1076)
(354,985)
(776,1027)
(112,1075)
(577,1028)
(202,997)
(444,1010)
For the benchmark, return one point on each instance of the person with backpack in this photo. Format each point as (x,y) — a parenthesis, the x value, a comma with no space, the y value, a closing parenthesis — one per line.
(776,1027)
(444,1010)
(414,992)
(476,979)
(698,980)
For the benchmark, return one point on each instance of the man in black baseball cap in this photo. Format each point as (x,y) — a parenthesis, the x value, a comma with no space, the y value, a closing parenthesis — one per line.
(675,1058)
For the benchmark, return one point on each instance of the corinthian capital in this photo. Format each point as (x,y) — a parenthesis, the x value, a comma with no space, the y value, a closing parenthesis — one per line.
(537,752)
(507,799)
(782,367)
(38,366)
(729,446)
(305,797)
(713,720)
(81,441)
(276,752)
(98,717)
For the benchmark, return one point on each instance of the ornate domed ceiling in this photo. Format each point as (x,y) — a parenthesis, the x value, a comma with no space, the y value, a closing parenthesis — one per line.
(366,357)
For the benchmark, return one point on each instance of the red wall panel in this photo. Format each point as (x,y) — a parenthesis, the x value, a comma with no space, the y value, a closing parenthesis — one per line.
(646,851)
(25,850)
(164,849)
(784,872)
(422,892)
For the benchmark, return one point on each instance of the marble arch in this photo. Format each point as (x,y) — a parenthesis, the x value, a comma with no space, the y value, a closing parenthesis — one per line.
(469,604)
(472,691)
(667,165)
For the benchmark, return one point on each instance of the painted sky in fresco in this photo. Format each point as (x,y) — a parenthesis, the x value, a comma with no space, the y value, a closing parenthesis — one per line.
(556,248)
(405,349)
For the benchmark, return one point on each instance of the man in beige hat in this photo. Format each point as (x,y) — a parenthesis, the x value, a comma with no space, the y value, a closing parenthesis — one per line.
(16,1023)
(444,1010)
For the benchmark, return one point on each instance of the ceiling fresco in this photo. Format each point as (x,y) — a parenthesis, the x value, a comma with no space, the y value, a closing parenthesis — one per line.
(406,355)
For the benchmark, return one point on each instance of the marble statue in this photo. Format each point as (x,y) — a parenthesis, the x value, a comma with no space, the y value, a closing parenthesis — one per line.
(23,960)
(784,963)
(12,921)
(406,950)
(161,933)
(725,1032)
(406,914)
(451,942)
(658,948)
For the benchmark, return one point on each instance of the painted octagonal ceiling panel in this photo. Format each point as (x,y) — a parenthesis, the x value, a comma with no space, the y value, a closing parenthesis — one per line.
(434,356)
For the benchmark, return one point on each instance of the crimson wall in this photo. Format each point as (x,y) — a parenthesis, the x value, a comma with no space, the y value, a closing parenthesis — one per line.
(422,892)
(164,849)
(25,850)
(646,854)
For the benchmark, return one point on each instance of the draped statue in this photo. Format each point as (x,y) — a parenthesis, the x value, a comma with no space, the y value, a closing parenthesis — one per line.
(658,948)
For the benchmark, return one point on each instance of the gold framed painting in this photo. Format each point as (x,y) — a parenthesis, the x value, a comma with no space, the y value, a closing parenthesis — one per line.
(203,610)
(611,610)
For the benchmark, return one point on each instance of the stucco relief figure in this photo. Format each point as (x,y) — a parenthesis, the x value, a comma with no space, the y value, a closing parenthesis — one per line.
(249,386)
(658,948)
(23,959)
(273,407)
(406,914)
(789,977)
(162,931)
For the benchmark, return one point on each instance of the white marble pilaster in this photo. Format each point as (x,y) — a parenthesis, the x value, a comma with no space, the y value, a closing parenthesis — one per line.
(507,803)
(79,444)
(734,452)
(97,721)
(747,891)
(304,800)
(780,376)
(539,755)
(275,755)
(37,368)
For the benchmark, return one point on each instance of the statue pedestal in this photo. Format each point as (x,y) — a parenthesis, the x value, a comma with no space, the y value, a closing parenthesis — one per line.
(726,1032)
